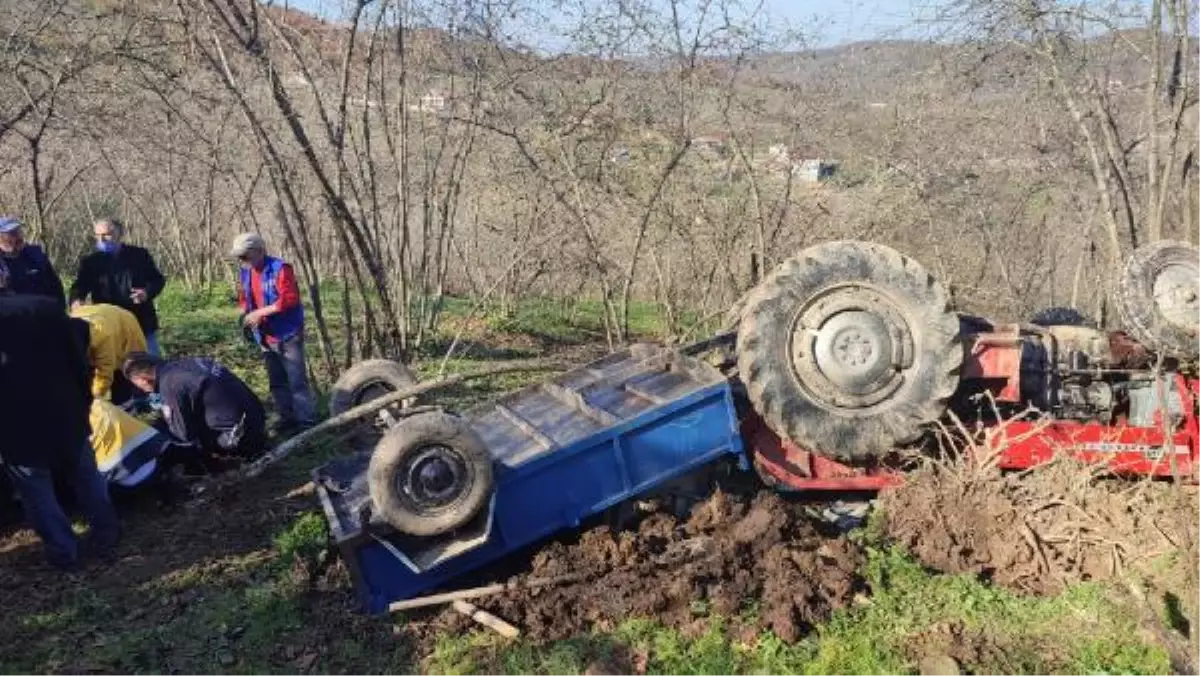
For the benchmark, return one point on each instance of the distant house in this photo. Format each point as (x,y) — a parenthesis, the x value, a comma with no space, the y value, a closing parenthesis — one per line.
(715,144)
(806,163)
(433,101)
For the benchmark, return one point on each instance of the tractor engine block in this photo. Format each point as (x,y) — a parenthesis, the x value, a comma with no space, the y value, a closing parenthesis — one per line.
(1065,372)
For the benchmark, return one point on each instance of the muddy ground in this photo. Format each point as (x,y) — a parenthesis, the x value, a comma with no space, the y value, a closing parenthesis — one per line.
(754,557)
(1039,531)
(197,588)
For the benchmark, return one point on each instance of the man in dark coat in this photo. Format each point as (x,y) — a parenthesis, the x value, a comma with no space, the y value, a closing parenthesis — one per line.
(204,403)
(45,400)
(123,275)
(27,266)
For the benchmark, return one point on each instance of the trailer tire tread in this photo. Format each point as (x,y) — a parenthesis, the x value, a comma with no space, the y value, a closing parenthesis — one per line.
(349,389)
(399,445)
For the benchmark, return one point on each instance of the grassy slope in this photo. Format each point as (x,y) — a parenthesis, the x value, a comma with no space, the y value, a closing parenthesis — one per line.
(256,610)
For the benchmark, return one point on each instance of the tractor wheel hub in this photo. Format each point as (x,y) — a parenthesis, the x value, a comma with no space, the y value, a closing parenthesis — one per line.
(1176,295)
(853,350)
(849,347)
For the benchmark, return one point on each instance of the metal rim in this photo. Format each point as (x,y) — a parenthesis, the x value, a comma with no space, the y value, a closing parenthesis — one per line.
(849,347)
(1175,294)
(432,479)
(372,390)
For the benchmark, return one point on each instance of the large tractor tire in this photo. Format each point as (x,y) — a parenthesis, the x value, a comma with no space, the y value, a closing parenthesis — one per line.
(430,474)
(848,349)
(1157,298)
(368,380)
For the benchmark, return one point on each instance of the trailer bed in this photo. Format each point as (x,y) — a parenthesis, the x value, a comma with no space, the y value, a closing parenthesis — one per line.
(562,450)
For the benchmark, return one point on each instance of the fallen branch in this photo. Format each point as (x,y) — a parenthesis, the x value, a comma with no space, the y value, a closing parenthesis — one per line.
(283,450)
(487,619)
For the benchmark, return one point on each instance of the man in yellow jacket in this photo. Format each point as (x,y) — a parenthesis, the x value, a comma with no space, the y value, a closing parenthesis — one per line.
(113,332)
(127,449)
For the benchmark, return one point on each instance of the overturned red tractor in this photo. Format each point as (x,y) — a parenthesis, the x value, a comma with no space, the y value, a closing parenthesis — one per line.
(844,354)
(850,350)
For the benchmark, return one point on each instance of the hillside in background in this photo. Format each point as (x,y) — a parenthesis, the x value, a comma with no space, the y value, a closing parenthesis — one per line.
(438,160)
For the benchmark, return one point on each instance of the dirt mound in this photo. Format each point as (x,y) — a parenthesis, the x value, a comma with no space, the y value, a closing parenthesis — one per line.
(732,554)
(1040,530)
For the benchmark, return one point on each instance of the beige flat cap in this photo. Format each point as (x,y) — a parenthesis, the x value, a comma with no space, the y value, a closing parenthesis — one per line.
(245,242)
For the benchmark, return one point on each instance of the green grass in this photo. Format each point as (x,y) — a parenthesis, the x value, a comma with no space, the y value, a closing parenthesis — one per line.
(1082,630)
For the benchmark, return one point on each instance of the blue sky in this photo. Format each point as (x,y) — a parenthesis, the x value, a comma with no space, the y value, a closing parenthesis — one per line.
(825,22)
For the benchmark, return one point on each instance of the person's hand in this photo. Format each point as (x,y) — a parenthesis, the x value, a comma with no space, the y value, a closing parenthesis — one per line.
(76,304)
(138,296)
(254,318)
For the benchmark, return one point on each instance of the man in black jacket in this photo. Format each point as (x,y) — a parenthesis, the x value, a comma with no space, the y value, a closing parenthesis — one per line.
(123,275)
(203,403)
(45,398)
(27,267)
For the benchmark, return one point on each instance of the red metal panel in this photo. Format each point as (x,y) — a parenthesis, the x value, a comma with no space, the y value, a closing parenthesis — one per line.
(781,463)
(1127,450)
(996,356)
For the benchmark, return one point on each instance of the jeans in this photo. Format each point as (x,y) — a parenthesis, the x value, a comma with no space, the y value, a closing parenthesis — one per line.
(36,486)
(288,376)
(152,344)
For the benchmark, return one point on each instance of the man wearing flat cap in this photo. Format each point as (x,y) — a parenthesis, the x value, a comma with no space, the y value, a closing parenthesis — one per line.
(27,266)
(269,297)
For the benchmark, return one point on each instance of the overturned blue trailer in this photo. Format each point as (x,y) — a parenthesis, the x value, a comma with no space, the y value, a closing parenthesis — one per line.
(556,452)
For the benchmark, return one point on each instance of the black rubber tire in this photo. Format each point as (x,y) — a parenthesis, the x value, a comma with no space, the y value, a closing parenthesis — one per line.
(405,444)
(1060,316)
(1142,314)
(354,386)
(851,273)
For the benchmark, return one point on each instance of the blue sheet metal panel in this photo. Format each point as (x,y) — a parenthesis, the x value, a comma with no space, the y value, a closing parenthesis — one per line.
(655,451)
(553,418)
(385,580)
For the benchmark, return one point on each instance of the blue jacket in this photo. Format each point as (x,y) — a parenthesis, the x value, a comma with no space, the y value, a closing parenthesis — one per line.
(31,272)
(279,326)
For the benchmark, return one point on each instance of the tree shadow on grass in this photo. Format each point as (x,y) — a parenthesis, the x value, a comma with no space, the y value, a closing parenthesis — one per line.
(197,588)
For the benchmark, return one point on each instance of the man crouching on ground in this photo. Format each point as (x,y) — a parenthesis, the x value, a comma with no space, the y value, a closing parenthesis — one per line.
(204,405)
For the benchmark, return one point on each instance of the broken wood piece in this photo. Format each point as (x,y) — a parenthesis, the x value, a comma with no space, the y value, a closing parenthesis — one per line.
(463,594)
(486,619)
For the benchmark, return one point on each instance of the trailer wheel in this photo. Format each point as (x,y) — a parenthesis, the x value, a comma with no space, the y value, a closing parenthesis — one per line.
(368,380)
(848,349)
(1156,298)
(430,474)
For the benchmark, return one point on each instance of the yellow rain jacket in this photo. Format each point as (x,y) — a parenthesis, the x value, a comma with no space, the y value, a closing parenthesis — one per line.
(125,446)
(115,333)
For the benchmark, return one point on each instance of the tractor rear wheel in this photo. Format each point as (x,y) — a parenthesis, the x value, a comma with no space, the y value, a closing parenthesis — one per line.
(1157,300)
(848,349)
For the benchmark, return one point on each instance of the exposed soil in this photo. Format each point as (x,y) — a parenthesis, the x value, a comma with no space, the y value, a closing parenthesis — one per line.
(1044,529)
(733,554)
(973,650)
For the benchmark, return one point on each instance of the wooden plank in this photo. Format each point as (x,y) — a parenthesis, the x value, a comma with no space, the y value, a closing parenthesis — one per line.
(576,401)
(527,427)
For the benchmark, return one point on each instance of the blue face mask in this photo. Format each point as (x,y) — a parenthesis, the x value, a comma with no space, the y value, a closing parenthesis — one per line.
(107,247)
